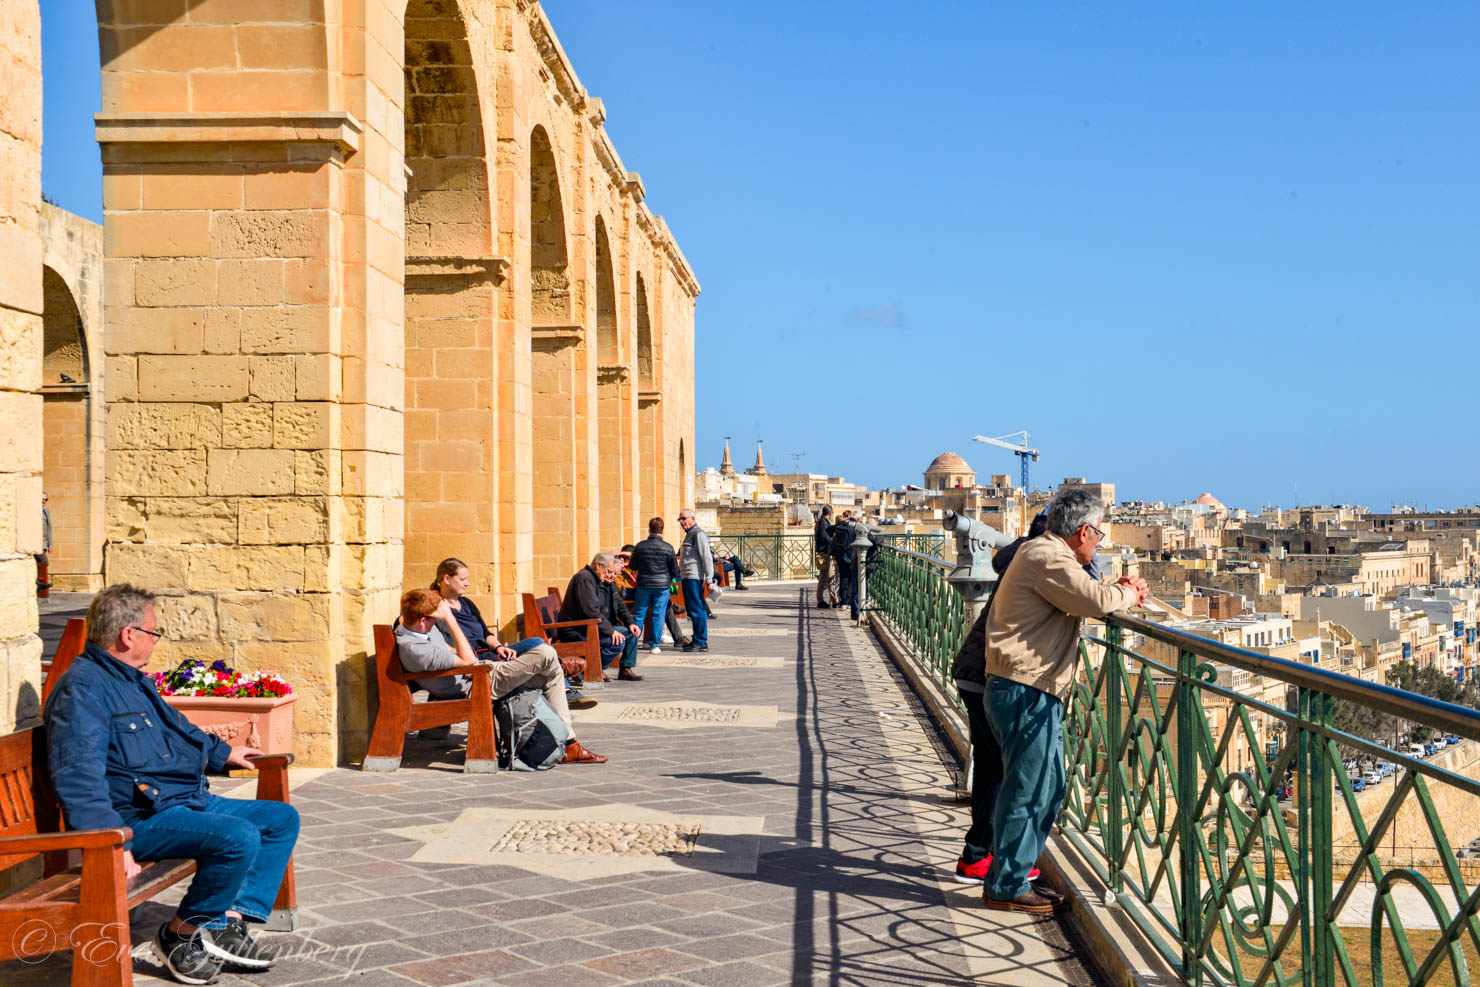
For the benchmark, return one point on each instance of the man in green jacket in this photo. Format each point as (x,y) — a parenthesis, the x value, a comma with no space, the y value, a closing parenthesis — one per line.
(1032,640)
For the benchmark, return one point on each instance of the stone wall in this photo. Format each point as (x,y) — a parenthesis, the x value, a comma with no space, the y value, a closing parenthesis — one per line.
(759,519)
(20,363)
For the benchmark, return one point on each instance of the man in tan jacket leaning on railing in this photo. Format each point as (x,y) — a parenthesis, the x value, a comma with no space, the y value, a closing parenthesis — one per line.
(1032,648)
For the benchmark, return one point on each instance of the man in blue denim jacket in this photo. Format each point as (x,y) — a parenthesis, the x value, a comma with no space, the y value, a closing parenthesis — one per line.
(121,756)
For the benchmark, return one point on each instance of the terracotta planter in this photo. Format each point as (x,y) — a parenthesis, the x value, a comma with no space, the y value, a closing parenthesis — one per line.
(266,724)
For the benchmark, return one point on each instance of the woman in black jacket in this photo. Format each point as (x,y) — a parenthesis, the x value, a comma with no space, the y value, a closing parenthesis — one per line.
(656,566)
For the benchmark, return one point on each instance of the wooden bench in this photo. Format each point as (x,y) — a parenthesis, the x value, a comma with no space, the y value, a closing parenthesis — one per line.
(82,901)
(399,715)
(541,619)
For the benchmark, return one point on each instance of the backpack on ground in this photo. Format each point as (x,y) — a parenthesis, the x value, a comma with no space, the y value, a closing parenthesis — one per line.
(530,736)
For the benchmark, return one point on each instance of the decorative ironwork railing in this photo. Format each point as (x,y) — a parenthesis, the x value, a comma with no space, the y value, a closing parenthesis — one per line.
(1224,819)
(791,556)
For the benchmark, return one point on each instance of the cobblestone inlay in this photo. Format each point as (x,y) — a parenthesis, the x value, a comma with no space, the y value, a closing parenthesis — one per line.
(696,661)
(682,711)
(596,839)
(751,632)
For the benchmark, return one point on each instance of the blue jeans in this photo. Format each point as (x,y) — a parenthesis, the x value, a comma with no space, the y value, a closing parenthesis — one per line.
(627,650)
(693,602)
(655,600)
(1028,724)
(527,644)
(240,848)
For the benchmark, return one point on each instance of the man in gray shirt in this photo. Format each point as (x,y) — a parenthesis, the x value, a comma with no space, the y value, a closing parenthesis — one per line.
(422,643)
(695,571)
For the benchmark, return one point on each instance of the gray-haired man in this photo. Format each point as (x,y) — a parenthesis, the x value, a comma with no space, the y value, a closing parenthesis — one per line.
(592,592)
(1032,640)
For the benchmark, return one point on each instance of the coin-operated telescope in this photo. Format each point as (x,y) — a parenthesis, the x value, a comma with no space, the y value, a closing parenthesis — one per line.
(973,576)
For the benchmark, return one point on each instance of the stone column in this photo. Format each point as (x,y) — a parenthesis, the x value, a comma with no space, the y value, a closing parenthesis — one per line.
(20,364)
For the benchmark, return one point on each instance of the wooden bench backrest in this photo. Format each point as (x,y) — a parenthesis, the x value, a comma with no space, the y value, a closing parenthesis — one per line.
(388,668)
(539,611)
(74,639)
(17,789)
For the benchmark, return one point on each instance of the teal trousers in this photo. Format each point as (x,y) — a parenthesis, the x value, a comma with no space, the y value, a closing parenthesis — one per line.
(1028,724)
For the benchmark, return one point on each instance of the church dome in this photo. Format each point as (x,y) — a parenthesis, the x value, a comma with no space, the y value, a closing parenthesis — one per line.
(1208,498)
(948,462)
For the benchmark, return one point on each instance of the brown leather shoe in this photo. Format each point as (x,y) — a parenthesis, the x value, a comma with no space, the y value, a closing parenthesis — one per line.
(1030,901)
(605,677)
(576,754)
(628,675)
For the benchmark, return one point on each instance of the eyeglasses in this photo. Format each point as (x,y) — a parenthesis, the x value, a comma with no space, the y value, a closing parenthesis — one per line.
(1100,535)
(157,635)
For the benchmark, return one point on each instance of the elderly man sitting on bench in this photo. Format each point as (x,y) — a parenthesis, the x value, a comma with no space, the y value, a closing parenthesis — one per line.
(120,756)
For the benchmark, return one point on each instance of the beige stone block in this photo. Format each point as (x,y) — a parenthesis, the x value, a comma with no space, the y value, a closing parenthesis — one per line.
(264,567)
(250,472)
(28,527)
(192,187)
(20,680)
(223,330)
(159,568)
(284,521)
(18,617)
(20,350)
(162,426)
(246,426)
(287,186)
(307,282)
(157,330)
(123,189)
(191,521)
(158,234)
(8,514)
(174,282)
(156,472)
(124,519)
(121,379)
(252,11)
(193,378)
(322,568)
(187,618)
(285,330)
(248,617)
(273,378)
(178,49)
(212,92)
(304,425)
(251,282)
(319,377)
(20,275)
(296,233)
(315,472)
(20,432)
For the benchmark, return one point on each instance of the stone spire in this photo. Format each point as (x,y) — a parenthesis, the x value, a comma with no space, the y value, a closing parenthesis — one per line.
(759,469)
(726,468)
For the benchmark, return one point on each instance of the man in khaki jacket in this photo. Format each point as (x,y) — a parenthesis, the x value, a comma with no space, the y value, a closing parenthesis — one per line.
(1031,653)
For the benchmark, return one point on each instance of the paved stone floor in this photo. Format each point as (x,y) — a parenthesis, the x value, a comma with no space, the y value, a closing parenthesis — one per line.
(779,814)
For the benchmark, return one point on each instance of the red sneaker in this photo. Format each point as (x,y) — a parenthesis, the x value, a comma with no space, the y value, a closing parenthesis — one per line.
(977,873)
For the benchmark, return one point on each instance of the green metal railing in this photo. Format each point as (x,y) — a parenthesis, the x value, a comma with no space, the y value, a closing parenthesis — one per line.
(791,556)
(1228,883)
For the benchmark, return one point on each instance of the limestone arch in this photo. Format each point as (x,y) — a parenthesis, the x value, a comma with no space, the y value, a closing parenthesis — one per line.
(613,387)
(556,342)
(649,444)
(451,358)
(66,432)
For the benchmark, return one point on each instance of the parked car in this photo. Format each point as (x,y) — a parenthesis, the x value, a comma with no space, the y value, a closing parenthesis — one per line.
(1464,852)
(1358,784)
(1387,768)
(1450,740)
(1430,749)
(1416,750)
(1372,777)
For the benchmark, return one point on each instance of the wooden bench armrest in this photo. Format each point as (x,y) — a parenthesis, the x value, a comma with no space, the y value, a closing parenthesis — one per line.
(80,839)
(477,668)
(271,761)
(572,623)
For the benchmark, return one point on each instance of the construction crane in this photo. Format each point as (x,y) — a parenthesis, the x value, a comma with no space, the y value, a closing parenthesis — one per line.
(1020,448)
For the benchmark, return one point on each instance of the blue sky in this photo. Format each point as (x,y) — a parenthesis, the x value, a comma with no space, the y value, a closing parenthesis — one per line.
(1187,247)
